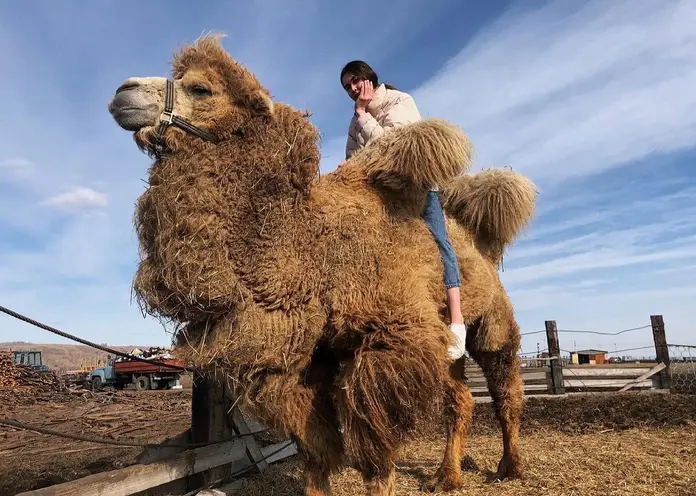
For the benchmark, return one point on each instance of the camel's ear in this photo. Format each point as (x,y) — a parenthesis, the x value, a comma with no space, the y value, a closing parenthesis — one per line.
(260,103)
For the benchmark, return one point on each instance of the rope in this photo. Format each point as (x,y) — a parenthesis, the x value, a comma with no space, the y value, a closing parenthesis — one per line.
(88,343)
(116,442)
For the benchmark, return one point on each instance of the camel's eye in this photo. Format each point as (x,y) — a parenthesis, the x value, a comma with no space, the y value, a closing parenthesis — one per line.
(200,90)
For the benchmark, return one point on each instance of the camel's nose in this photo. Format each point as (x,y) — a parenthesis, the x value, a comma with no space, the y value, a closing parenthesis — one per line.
(128,85)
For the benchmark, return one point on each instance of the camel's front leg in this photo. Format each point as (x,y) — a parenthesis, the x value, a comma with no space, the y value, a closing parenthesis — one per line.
(458,412)
(382,483)
(317,481)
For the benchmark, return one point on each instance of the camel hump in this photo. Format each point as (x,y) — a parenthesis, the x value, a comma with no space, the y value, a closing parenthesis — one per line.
(495,205)
(427,153)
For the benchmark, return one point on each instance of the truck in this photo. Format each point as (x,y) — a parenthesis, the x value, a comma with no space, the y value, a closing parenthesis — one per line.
(30,358)
(120,372)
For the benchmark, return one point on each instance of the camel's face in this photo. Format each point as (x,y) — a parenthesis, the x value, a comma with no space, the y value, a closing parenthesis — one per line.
(139,101)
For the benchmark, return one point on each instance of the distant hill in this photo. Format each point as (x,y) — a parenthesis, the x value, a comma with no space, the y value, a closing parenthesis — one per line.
(67,356)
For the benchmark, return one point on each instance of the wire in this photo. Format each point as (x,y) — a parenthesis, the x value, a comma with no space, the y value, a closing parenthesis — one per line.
(605,333)
(572,331)
(116,442)
(89,343)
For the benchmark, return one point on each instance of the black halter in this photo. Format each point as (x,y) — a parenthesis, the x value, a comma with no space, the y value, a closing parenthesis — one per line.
(168,118)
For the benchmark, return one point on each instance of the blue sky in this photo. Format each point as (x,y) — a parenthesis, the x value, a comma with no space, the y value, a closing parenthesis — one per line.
(594,101)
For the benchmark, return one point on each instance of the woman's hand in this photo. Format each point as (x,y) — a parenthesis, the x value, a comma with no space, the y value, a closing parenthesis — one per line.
(367,91)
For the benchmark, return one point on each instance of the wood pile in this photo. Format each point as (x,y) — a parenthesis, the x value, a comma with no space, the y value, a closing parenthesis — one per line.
(18,377)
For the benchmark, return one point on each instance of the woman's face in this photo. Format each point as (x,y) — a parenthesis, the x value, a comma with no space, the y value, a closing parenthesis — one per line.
(352,85)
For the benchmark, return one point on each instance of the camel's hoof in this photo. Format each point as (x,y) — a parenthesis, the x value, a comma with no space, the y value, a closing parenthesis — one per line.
(508,468)
(442,483)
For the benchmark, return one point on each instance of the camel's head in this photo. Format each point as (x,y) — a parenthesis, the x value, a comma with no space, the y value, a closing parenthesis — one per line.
(229,163)
(212,95)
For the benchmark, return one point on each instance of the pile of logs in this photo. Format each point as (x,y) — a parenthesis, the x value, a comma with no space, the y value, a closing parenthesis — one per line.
(14,376)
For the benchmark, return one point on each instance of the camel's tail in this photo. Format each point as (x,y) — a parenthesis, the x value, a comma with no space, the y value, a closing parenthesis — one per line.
(494,204)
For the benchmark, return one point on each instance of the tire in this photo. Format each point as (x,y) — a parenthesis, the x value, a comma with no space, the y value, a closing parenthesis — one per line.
(96,383)
(142,383)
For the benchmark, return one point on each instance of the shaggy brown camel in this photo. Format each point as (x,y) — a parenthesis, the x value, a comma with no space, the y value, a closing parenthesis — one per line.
(320,299)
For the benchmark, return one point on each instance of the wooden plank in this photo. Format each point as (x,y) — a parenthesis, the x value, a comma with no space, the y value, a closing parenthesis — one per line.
(272,453)
(657,368)
(619,372)
(603,383)
(530,376)
(253,450)
(284,453)
(137,478)
(527,387)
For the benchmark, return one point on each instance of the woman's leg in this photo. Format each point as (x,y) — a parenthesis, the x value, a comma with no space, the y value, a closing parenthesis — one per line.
(435,220)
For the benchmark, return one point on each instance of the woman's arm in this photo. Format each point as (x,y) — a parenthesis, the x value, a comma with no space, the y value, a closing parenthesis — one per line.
(402,113)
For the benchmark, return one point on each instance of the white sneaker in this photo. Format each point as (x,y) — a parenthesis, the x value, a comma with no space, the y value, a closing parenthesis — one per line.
(458,349)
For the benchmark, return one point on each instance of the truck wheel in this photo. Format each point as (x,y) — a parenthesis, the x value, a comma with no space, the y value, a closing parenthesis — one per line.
(96,383)
(142,383)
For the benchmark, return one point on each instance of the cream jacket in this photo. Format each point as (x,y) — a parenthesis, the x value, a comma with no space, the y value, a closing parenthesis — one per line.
(388,109)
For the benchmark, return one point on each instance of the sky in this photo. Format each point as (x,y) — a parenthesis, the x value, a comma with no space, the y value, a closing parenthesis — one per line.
(594,101)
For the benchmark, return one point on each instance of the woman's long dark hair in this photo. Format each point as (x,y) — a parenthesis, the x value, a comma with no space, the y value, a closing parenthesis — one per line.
(363,71)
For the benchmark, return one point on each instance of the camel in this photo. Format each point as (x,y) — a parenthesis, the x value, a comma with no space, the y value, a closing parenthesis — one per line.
(319,298)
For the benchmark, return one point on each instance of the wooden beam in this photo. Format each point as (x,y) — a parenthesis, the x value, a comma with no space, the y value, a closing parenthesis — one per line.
(137,478)
(253,451)
(603,383)
(657,368)
(595,372)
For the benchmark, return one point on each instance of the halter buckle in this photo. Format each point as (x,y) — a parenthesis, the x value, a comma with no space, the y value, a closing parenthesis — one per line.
(167,116)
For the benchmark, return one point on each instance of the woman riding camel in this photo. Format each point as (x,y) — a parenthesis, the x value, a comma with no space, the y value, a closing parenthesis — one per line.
(378,108)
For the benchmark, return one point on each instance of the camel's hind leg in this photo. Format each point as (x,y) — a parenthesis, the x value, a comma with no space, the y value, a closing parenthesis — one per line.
(493,341)
(459,406)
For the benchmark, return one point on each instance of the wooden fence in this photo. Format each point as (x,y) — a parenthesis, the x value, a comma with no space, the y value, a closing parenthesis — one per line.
(166,470)
(176,470)
(549,375)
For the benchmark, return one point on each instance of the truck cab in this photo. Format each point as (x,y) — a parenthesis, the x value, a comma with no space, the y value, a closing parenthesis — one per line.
(30,358)
(103,376)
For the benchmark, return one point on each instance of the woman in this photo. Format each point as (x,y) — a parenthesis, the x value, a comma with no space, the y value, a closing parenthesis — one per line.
(378,108)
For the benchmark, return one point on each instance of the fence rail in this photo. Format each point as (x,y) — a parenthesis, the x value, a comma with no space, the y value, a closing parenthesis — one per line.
(673,370)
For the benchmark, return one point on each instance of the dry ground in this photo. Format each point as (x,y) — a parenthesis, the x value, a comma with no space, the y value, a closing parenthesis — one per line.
(610,444)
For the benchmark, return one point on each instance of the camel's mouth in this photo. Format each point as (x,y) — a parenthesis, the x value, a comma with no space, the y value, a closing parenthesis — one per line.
(131,111)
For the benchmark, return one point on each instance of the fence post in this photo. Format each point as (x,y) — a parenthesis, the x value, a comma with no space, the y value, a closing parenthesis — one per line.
(208,423)
(661,351)
(557,385)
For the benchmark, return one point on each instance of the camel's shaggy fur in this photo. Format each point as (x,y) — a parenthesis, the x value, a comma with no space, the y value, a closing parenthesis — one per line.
(321,300)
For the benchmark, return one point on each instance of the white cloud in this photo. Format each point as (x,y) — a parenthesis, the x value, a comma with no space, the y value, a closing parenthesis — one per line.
(572,90)
(79,198)
(564,90)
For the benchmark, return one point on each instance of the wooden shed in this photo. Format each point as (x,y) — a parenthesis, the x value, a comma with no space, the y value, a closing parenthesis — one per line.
(590,357)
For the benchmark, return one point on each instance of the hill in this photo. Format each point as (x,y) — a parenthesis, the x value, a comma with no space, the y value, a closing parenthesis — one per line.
(67,356)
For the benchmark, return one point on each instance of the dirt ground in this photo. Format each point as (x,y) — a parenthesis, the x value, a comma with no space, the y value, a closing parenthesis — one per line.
(30,460)
(606,444)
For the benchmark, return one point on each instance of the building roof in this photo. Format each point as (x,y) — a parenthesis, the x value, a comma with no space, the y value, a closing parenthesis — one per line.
(591,352)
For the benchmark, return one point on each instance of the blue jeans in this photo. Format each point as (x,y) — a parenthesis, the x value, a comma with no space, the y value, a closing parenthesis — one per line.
(435,220)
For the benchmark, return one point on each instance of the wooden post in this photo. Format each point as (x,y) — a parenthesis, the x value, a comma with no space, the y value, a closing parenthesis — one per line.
(215,416)
(557,386)
(661,351)
(209,423)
